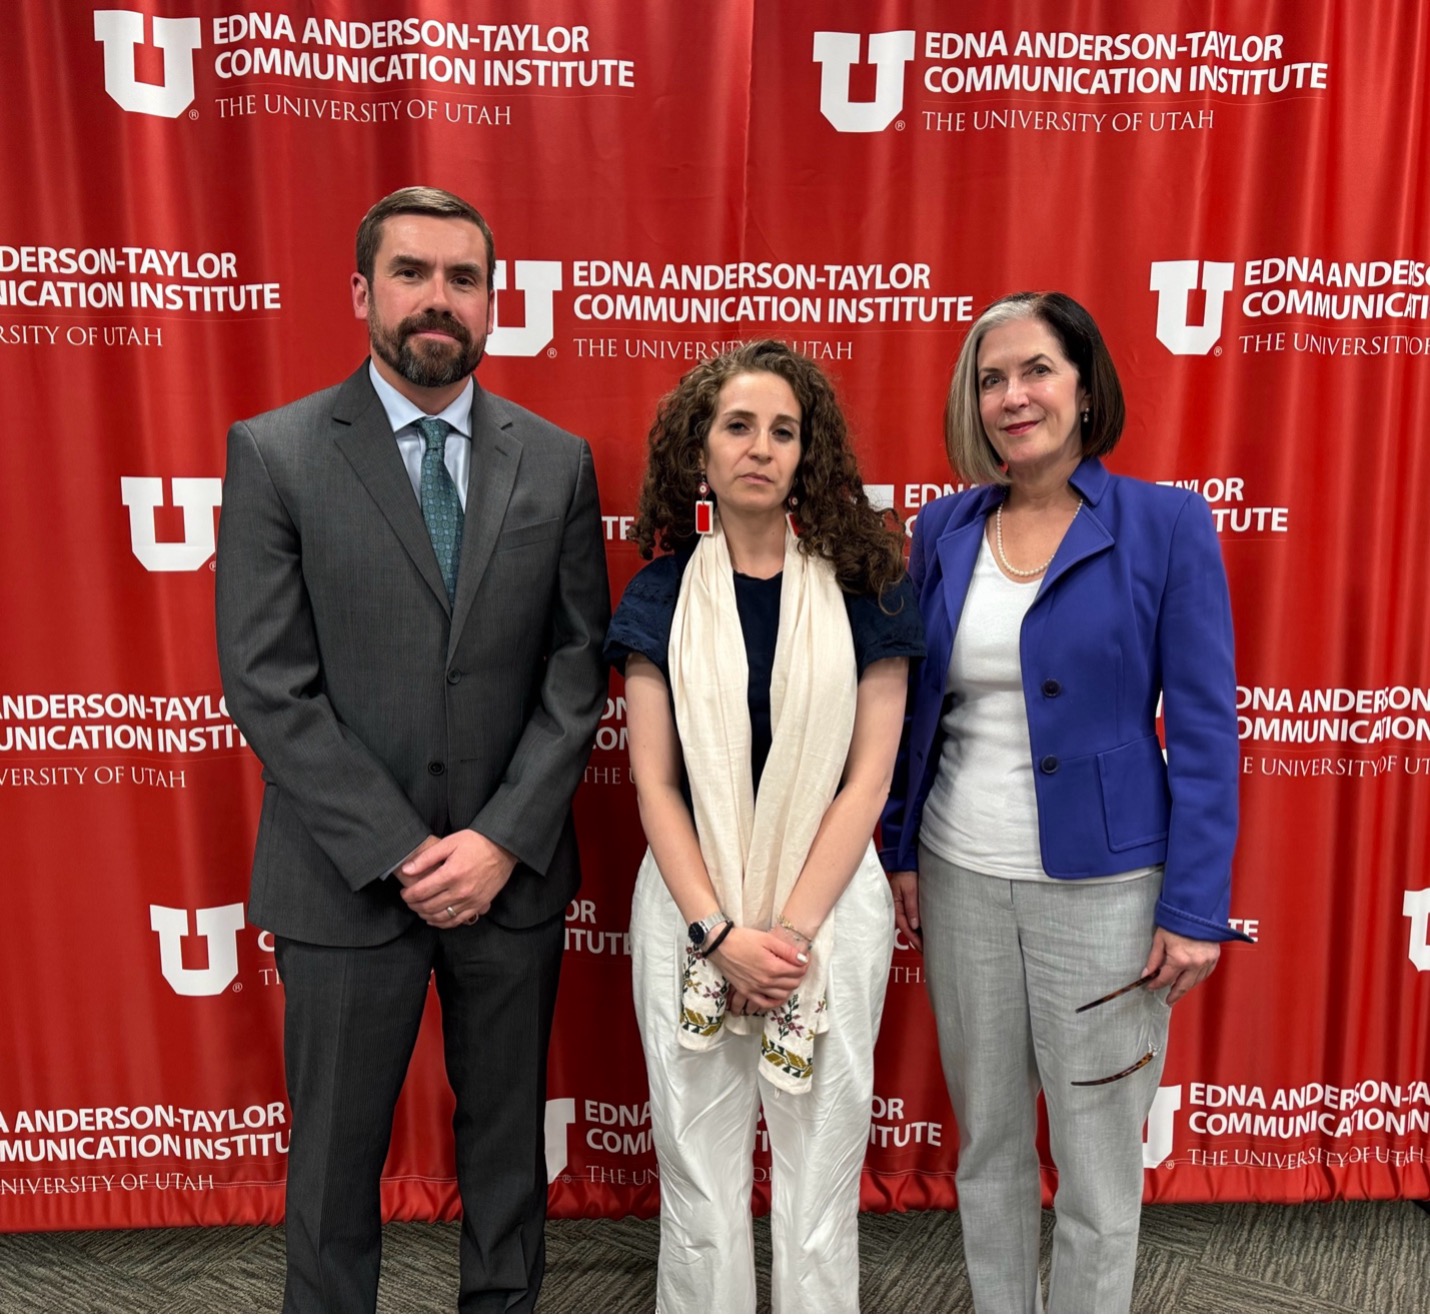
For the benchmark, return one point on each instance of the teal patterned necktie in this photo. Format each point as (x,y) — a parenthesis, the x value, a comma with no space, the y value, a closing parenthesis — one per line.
(441,507)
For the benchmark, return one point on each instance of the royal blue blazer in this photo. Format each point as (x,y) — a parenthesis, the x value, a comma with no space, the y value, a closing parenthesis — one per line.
(1134,606)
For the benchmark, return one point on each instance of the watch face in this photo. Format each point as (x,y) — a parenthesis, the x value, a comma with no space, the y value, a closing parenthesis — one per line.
(697,933)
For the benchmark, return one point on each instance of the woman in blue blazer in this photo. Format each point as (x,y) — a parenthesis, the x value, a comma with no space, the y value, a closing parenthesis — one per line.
(1040,845)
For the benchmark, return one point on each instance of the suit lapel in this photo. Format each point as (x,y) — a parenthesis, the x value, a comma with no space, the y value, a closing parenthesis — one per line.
(958,548)
(491,477)
(1085,537)
(363,434)
(1087,534)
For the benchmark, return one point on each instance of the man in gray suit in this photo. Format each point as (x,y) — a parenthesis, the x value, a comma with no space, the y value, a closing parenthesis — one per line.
(411,599)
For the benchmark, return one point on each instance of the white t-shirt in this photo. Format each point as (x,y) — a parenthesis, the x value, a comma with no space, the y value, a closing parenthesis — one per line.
(990,822)
(982,813)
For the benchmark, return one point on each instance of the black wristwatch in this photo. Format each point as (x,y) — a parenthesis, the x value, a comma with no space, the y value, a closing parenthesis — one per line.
(698,932)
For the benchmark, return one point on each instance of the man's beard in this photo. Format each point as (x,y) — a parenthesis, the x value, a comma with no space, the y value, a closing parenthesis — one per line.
(428,364)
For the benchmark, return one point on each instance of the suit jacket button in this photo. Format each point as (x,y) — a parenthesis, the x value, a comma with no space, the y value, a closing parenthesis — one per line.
(1052,688)
(453,677)
(1049,763)
(436,768)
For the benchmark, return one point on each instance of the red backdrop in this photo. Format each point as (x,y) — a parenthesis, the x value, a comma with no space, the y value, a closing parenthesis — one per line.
(1239,192)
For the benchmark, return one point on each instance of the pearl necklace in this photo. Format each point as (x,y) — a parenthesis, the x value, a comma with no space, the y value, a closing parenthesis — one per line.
(1002,558)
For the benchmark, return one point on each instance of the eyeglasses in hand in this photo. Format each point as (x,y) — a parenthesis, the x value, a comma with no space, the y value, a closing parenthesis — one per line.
(1103,1000)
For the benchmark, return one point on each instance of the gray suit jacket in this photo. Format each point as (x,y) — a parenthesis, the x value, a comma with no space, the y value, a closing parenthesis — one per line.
(380,712)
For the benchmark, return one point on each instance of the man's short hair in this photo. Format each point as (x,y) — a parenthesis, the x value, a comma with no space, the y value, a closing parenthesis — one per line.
(418,201)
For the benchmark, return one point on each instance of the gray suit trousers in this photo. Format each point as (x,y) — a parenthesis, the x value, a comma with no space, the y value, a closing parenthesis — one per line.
(1008,964)
(351,1021)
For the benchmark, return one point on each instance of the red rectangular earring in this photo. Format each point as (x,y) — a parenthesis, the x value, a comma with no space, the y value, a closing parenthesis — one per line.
(704,509)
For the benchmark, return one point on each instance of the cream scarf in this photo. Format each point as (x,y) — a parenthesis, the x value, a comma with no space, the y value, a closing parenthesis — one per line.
(753,850)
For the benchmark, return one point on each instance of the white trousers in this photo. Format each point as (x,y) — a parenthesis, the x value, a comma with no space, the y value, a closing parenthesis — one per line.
(1008,963)
(704,1107)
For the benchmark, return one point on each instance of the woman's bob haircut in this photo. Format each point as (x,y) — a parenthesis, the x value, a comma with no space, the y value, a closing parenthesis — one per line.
(970,453)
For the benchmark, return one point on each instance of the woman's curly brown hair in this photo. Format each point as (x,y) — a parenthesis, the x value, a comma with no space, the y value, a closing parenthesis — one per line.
(835,519)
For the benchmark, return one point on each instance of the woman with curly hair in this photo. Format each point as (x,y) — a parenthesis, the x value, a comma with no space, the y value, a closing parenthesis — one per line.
(766,656)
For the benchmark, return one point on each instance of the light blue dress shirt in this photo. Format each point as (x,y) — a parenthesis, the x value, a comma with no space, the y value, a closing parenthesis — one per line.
(402,412)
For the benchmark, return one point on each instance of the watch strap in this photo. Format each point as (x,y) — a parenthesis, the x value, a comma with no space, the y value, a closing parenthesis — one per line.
(700,930)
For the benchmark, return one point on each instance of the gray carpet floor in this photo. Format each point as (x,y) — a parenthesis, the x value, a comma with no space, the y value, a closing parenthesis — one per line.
(1240,1257)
